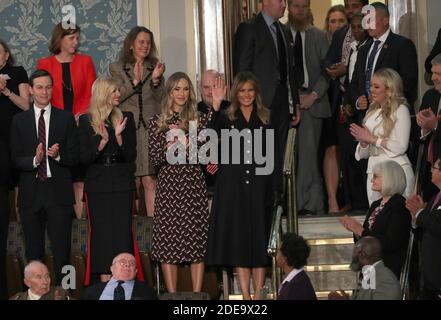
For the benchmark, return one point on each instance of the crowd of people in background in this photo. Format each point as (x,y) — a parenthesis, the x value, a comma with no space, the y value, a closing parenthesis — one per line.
(74,145)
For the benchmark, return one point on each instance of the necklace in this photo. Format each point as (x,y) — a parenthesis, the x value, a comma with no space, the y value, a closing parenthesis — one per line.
(66,86)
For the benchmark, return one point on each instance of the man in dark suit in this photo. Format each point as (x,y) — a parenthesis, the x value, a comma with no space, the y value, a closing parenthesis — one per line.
(291,258)
(44,146)
(4,214)
(261,47)
(436,50)
(386,50)
(427,221)
(122,285)
(428,120)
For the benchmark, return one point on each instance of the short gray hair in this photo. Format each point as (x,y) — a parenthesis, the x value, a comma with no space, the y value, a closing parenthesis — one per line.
(437,60)
(30,266)
(393,178)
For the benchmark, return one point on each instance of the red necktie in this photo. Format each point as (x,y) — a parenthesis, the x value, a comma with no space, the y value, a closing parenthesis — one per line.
(42,167)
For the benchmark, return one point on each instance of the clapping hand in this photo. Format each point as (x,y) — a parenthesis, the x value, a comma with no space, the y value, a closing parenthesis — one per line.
(427,120)
(362,134)
(158,71)
(54,151)
(138,71)
(415,204)
(2,83)
(39,153)
(352,225)
(120,127)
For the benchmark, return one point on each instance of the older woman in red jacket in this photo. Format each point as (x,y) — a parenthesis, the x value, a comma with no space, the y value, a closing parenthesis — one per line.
(74,75)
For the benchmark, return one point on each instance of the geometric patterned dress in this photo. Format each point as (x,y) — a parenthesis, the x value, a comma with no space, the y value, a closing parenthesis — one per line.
(180,224)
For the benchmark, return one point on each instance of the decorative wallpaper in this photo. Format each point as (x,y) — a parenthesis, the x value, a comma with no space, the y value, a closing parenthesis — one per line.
(26,25)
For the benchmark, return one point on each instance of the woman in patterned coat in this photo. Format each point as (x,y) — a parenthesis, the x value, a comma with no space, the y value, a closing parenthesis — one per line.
(180,227)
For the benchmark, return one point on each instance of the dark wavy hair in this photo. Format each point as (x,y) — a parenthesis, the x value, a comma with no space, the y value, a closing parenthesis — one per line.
(126,56)
(58,34)
(11,60)
(295,249)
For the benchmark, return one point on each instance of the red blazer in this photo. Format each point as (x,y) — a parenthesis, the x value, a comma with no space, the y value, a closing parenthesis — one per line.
(83,76)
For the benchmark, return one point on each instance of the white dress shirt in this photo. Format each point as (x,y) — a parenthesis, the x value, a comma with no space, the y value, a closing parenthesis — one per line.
(46,117)
(291,276)
(382,39)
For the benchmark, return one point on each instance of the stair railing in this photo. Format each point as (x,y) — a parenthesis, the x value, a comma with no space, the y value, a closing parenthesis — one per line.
(404,278)
(290,197)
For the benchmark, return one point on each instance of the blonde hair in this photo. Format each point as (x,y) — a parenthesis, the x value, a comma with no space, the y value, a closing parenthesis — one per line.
(100,105)
(188,113)
(241,78)
(394,86)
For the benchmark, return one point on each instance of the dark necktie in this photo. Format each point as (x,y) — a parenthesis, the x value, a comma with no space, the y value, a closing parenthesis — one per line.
(119,293)
(42,167)
(370,67)
(436,201)
(282,54)
(299,71)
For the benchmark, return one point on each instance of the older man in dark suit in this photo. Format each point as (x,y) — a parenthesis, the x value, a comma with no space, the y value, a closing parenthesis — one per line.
(428,119)
(44,146)
(262,47)
(122,285)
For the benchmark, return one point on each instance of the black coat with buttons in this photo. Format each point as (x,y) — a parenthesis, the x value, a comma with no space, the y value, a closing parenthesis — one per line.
(241,211)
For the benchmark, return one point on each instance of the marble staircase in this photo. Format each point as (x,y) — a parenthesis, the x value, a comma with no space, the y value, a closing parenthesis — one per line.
(331,254)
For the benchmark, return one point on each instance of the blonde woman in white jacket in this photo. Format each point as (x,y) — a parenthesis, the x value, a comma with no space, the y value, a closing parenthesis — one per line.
(386,129)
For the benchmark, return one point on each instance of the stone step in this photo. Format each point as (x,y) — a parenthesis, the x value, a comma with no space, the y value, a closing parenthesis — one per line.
(324,227)
(334,254)
(333,280)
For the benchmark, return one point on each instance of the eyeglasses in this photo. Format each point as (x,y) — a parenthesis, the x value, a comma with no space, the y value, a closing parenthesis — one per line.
(125,263)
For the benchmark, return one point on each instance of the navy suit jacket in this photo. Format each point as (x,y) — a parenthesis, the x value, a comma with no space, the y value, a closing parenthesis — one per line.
(299,288)
(429,229)
(335,50)
(399,54)
(24,142)
(255,51)
(141,291)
